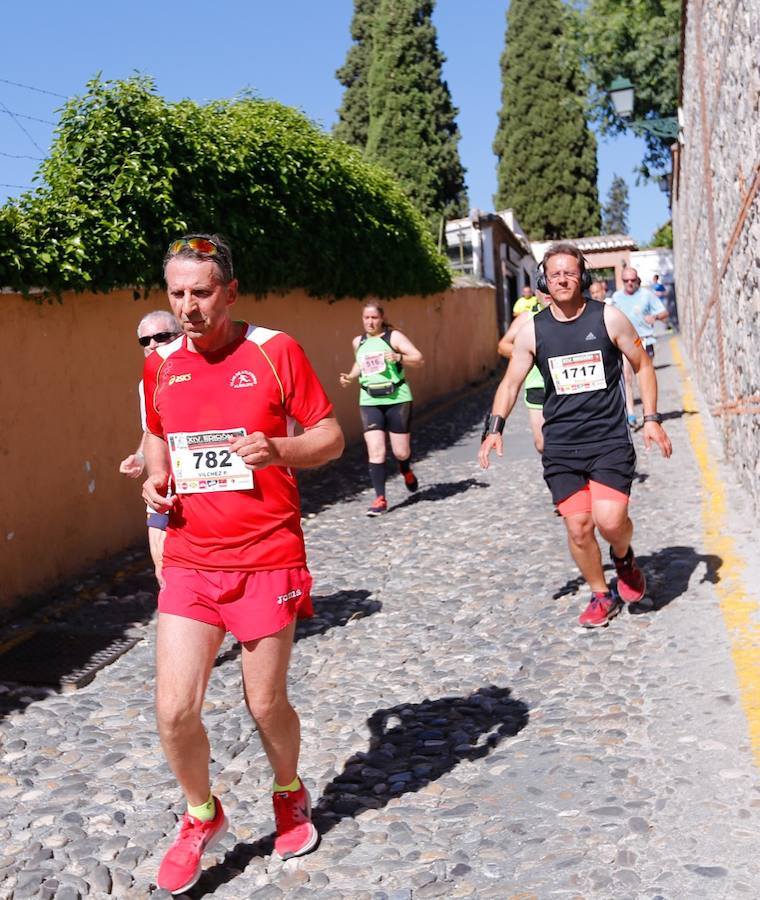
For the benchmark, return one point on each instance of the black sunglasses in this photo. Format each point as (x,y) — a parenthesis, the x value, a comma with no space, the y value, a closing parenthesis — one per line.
(160,337)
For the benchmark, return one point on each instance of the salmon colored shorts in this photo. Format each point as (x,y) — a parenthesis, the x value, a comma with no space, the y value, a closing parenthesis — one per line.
(250,605)
(581,501)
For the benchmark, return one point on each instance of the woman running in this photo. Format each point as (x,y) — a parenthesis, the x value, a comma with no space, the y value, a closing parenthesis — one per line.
(385,399)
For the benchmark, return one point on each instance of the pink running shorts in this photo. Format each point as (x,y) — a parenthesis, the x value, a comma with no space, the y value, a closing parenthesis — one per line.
(250,605)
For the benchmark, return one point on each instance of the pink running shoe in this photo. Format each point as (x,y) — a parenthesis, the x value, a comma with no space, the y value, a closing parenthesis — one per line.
(631,584)
(292,815)
(600,610)
(181,867)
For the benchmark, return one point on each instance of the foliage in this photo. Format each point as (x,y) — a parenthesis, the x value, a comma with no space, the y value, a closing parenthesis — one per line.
(412,121)
(547,168)
(615,210)
(639,40)
(353,115)
(129,171)
(663,236)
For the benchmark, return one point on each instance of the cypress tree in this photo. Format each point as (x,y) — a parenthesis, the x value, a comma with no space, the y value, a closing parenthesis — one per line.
(546,153)
(353,115)
(615,212)
(412,120)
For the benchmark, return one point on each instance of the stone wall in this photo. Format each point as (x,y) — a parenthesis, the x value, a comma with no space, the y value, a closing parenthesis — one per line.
(716,219)
(70,411)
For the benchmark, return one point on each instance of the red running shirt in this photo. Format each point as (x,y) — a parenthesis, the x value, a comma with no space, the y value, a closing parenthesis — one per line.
(264,382)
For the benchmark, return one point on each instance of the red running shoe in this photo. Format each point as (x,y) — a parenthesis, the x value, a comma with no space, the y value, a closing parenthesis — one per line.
(410,480)
(631,584)
(181,867)
(378,507)
(600,610)
(292,815)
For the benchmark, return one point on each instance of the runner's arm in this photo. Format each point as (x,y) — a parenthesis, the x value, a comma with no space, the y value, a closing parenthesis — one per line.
(133,465)
(506,344)
(406,352)
(156,485)
(346,378)
(317,445)
(625,338)
(521,362)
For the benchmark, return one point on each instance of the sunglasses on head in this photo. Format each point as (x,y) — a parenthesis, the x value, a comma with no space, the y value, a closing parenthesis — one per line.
(200,245)
(160,337)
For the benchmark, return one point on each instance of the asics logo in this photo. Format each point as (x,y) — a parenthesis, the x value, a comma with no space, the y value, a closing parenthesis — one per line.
(175,379)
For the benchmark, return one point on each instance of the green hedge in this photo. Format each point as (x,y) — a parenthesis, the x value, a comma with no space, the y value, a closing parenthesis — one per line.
(129,171)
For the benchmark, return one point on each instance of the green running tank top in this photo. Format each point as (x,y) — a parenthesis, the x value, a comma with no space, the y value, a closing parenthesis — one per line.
(376,370)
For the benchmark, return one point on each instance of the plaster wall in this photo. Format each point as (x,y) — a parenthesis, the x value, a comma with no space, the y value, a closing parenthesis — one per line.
(68,392)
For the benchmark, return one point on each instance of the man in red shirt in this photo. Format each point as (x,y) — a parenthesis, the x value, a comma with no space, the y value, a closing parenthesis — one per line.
(220,450)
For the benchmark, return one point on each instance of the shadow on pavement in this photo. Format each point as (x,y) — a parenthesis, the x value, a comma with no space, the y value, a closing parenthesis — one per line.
(668,573)
(332,611)
(76,629)
(410,746)
(441,491)
(436,428)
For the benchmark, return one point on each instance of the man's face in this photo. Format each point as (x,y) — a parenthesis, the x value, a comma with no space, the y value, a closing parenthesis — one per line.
(198,299)
(372,320)
(153,327)
(630,281)
(563,274)
(527,291)
(597,291)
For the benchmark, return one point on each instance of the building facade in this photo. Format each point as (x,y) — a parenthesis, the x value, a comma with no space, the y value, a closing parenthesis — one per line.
(492,247)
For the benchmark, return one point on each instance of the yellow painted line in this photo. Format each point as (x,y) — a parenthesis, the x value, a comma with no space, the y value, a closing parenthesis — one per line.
(739,609)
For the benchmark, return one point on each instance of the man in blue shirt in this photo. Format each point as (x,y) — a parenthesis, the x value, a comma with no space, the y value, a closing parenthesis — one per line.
(643,309)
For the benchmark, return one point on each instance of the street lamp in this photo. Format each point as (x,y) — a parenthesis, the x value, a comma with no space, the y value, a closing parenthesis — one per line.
(621,94)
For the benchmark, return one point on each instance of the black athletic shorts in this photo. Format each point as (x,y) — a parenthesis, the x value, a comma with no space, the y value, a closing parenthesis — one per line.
(395,417)
(535,397)
(568,470)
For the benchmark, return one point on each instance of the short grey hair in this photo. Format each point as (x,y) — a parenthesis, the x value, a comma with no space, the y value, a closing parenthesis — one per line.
(222,259)
(160,317)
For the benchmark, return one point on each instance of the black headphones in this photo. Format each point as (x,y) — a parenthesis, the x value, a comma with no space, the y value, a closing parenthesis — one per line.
(543,285)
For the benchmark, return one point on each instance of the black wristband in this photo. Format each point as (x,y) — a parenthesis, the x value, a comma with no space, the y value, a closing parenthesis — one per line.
(495,424)
(654,417)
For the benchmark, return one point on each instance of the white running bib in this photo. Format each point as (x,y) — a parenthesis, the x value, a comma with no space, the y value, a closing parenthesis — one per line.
(578,372)
(202,462)
(372,363)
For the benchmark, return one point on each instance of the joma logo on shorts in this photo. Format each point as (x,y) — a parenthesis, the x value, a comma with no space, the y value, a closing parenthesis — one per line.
(291,595)
(178,378)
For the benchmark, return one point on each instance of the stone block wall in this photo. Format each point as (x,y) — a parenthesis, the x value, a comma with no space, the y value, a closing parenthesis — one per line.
(716,219)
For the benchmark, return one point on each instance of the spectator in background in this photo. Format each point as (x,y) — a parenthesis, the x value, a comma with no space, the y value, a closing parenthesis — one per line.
(598,291)
(643,309)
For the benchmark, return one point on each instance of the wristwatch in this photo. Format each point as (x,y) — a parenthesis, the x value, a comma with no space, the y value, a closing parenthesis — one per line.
(653,417)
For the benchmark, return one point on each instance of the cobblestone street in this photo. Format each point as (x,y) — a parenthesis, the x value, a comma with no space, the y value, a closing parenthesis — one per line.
(462,736)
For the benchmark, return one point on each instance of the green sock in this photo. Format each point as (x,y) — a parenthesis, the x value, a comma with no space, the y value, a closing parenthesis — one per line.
(288,788)
(205,812)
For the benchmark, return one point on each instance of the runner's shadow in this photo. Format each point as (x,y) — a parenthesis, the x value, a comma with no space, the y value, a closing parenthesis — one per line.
(441,491)
(332,611)
(668,574)
(414,744)
(410,746)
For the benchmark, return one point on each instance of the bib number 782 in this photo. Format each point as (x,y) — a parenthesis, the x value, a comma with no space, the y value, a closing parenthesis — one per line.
(211,459)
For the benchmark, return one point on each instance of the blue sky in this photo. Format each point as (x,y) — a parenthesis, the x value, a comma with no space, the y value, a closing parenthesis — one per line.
(288,51)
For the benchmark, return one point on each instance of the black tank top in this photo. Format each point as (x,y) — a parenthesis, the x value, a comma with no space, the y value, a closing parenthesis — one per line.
(583,374)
